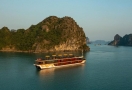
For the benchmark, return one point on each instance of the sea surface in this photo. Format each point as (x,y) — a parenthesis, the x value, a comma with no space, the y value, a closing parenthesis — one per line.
(106,68)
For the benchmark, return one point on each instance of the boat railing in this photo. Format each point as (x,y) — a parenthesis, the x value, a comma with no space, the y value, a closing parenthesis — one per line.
(60,56)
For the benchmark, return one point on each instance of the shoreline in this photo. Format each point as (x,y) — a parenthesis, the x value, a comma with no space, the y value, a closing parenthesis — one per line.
(42,51)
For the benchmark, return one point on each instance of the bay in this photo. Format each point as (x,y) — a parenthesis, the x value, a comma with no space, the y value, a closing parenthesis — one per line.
(106,68)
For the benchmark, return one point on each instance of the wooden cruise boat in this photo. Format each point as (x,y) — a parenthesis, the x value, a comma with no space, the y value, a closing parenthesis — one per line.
(58,61)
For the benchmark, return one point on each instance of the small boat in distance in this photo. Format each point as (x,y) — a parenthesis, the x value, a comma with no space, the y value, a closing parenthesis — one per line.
(58,61)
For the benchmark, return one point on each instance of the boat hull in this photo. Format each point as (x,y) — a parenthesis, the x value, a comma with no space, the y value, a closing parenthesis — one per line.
(46,66)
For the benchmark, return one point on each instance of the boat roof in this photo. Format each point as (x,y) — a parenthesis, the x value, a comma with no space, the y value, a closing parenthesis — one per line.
(56,59)
(47,56)
(70,54)
(65,54)
(53,55)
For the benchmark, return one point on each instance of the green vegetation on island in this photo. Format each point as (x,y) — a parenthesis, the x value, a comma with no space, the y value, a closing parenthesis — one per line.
(52,34)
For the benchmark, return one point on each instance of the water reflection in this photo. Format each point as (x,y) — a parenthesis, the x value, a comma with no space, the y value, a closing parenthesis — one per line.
(46,72)
(53,76)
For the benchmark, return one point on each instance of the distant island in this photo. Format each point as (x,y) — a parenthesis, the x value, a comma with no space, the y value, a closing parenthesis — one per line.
(87,40)
(51,34)
(99,42)
(122,41)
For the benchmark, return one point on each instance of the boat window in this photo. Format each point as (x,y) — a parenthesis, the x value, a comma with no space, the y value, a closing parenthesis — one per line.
(39,62)
(50,61)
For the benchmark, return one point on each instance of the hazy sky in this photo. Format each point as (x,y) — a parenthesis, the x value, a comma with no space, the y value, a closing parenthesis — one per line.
(100,19)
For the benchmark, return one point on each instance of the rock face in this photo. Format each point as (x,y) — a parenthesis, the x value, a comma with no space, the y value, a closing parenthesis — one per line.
(72,36)
(51,34)
(119,41)
(127,40)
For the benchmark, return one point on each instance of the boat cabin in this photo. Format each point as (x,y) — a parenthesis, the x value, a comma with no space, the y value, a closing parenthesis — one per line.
(39,62)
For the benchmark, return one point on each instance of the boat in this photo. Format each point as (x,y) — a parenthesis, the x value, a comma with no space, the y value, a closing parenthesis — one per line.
(58,61)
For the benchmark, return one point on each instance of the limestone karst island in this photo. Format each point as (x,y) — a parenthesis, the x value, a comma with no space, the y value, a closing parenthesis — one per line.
(122,41)
(51,34)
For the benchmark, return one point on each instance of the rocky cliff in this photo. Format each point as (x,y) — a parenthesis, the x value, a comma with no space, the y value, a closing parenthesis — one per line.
(51,34)
(122,41)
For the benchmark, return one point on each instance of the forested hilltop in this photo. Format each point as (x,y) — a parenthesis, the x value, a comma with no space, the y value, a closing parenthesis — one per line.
(51,34)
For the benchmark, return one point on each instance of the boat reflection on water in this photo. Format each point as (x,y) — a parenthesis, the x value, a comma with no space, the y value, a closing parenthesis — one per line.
(45,72)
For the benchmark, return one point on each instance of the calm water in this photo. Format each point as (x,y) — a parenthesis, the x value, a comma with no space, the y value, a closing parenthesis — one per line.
(106,68)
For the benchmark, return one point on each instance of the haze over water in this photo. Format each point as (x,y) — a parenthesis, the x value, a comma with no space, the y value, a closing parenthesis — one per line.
(106,68)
